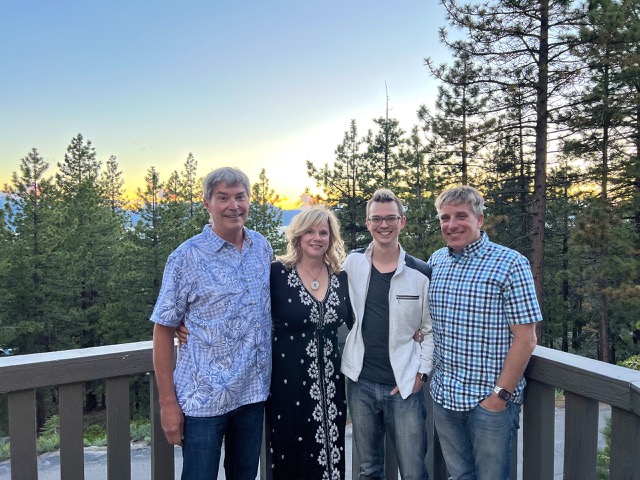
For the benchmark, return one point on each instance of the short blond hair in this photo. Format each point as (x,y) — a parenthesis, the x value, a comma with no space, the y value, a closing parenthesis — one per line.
(306,219)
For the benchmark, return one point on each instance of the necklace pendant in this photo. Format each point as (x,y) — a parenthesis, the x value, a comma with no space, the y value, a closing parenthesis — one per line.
(315,285)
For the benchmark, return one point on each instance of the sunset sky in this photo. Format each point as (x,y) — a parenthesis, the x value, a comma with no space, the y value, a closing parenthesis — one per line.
(250,83)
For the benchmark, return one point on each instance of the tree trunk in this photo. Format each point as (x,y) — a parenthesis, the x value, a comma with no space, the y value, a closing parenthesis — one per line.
(540,175)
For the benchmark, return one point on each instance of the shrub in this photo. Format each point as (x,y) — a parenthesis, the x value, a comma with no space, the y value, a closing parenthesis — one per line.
(141,431)
(95,435)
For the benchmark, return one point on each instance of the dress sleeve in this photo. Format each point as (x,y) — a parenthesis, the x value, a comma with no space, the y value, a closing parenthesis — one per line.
(349,320)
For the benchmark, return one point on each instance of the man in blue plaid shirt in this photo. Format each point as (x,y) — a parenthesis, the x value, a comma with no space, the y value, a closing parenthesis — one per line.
(484,310)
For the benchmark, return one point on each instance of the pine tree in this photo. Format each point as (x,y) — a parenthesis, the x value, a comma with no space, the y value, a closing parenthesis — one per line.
(190,185)
(421,234)
(112,184)
(30,210)
(347,186)
(264,214)
(522,44)
(80,166)
(459,129)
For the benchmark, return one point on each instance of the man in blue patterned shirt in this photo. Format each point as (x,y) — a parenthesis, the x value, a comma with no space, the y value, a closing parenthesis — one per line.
(217,283)
(484,310)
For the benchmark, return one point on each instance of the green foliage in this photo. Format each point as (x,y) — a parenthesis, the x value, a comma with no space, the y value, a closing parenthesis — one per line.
(141,431)
(604,454)
(264,215)
(347,185)
(632,362)
(51,426)
(48,443)
(5,451)
(94,435)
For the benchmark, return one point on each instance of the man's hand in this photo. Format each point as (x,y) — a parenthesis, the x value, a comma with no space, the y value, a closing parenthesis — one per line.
(172,421)
(493,403)
(417,386)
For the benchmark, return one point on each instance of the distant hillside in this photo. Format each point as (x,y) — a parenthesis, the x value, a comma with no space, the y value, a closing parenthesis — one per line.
(287,215)
(134,217)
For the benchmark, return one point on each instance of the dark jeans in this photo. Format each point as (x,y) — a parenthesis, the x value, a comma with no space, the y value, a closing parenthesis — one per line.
(242,432)
(374,411)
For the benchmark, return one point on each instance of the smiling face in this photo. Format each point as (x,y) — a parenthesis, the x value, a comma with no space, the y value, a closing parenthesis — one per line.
(383,233)
(314,242)
(228,208)
(460,227)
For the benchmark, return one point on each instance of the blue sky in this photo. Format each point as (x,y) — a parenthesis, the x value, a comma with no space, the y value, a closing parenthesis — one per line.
(251,84)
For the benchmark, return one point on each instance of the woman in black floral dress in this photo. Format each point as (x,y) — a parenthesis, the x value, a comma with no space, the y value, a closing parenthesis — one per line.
(306,411)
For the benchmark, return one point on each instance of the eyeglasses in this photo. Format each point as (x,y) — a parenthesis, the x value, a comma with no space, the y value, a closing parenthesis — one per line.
(392,220)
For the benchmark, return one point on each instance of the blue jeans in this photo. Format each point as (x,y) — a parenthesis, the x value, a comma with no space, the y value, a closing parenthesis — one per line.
(242,432)
(373,411)
(476,444)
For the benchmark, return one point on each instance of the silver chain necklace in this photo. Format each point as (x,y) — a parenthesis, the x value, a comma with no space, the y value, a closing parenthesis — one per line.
(315,284)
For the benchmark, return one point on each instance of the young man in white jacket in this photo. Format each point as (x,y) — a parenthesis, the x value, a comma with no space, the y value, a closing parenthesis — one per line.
(386,368)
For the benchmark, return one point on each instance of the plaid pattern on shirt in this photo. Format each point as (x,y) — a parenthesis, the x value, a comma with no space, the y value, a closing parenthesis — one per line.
(222,295)
(474,297)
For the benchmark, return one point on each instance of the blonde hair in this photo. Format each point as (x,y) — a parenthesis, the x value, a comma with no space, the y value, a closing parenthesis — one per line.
(302,222)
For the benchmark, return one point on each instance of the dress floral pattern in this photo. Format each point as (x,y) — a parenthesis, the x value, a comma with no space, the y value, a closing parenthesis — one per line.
(306,411)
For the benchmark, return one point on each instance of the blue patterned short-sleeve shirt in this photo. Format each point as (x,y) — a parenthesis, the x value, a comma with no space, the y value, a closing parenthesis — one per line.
(474,298)
(222,295)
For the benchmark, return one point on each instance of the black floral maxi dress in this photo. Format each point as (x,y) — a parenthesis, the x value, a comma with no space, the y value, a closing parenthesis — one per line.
(306,411)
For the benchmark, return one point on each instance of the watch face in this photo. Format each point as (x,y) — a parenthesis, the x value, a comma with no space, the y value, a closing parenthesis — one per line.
(504,394)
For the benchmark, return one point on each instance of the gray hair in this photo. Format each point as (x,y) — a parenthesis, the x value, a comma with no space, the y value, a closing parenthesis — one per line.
(464,194)
(384,195)
(229,175)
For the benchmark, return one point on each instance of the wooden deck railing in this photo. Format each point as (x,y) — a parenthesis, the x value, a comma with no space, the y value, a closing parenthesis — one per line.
(585,383)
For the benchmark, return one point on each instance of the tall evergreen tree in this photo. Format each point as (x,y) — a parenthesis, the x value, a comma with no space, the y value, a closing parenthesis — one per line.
(264,214)
(522,43)
(80,166)
(418,190)
(191,186)
(112,184)
(597,124)
(459,129)
(347,185)
(30,205)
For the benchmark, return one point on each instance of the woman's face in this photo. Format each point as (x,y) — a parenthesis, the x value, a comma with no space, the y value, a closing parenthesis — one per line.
(314,242)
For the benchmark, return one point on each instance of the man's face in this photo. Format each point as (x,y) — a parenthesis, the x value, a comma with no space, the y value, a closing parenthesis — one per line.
(228,207)
(382,232)
(459,226)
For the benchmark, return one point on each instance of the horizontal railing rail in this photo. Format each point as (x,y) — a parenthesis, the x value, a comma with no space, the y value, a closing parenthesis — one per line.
(585,382)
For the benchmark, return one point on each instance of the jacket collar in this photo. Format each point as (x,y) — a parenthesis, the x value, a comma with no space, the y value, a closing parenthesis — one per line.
(369,252)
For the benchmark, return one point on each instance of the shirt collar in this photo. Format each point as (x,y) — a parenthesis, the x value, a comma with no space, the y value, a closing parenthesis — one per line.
(219,242)
(474,248)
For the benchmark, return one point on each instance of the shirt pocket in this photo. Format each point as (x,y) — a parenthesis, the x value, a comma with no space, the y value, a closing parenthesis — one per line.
(403,298)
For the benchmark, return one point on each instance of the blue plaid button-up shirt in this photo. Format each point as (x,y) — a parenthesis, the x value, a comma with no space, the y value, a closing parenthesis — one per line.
(222,295)
(474,298)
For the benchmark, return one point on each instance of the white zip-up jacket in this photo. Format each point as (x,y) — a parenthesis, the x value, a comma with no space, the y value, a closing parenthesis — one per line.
(408,312)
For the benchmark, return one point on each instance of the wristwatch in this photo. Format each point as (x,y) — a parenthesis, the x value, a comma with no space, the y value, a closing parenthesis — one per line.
(503,393)
(424,377)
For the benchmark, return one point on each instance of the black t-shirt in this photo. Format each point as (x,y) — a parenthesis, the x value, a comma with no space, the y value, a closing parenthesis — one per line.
(375,330)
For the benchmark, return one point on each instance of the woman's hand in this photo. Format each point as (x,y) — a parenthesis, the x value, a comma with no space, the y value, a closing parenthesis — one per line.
(418,336)
(182,332)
